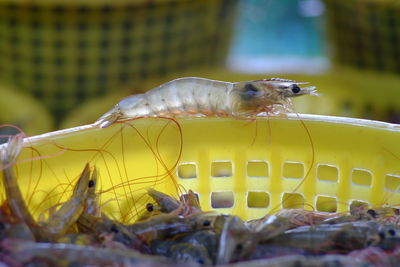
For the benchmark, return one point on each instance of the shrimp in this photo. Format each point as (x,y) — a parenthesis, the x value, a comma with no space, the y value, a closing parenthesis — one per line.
(168,225)
(14,197)
(71,210)
(81,255)
(299,217)
(181,251)
(207,239)
(300,260)
(113,231)
(238,239)
(92,205)
(58,223)
(192,200)
(190,254)
(15,200)
(199,96)
(343,237)
(234,240)
(166,202)
(149,211)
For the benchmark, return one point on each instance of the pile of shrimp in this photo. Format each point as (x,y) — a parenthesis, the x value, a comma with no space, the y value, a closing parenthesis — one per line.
(176,232)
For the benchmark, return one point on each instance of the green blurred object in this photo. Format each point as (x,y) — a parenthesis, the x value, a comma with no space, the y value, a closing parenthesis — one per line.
(365,33)
(23,111)
(66,52)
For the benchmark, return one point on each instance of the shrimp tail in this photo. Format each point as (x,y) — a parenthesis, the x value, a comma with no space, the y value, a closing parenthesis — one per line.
(109,117)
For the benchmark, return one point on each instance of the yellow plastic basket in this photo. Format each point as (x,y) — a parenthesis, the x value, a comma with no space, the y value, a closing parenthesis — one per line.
(24,111)
(365,33)
(251,165)
(66,52)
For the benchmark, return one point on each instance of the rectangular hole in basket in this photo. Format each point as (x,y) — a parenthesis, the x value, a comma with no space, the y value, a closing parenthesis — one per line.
(257,199)
(221,169)
(185,197)
(327,173)
(187,171)
(392,182)
(257,168)
(361,177)
(292,201)
(325,203)
(293,169)
(357,205)
(222,199)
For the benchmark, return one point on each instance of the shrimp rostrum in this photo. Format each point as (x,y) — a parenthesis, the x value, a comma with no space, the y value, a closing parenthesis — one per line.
(198,96)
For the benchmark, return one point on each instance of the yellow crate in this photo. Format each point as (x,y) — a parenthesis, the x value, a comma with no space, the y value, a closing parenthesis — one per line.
(364,33)
(66,52)
(24,111)
(251,165)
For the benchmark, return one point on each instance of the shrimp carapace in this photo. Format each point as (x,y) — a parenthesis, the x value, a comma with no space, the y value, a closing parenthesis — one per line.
(199,96)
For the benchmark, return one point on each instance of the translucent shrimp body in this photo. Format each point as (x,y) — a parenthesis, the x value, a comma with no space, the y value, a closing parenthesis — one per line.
(198,96)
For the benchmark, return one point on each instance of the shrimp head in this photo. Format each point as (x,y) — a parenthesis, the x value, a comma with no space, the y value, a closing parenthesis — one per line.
(253,97)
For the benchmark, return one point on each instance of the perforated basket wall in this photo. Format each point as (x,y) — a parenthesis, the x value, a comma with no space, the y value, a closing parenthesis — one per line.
(65,52)
(234,166)
(365,33)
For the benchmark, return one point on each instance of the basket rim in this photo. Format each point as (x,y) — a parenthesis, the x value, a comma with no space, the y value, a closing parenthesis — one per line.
(291,116)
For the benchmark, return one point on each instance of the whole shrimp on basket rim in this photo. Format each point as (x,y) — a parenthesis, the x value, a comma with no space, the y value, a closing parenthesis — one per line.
(199,96)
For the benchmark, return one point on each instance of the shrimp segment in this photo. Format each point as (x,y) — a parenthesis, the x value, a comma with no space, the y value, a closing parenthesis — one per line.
(198,96)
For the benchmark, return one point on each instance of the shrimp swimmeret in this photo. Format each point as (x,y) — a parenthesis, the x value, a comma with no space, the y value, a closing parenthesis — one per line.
(198,96)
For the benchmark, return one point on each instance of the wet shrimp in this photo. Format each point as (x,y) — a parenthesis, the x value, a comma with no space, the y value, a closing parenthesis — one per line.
(70,211)
(299,217)
(80,255)
(110,231)
(168,225)
(62,219)
(199,96)
(92,205)
(343,237)
(13,193)
(166,202)
(15,201)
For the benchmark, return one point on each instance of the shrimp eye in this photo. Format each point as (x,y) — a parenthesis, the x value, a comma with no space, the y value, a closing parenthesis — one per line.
(249,92)
(91,183)
(149,207)
(372,213)
(295,89)
(114,229)
(206,223)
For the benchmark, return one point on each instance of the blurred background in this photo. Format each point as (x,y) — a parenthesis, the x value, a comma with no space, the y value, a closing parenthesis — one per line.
(63,64)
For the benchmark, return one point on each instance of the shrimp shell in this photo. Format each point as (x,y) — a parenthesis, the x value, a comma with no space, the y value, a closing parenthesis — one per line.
(204,97)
